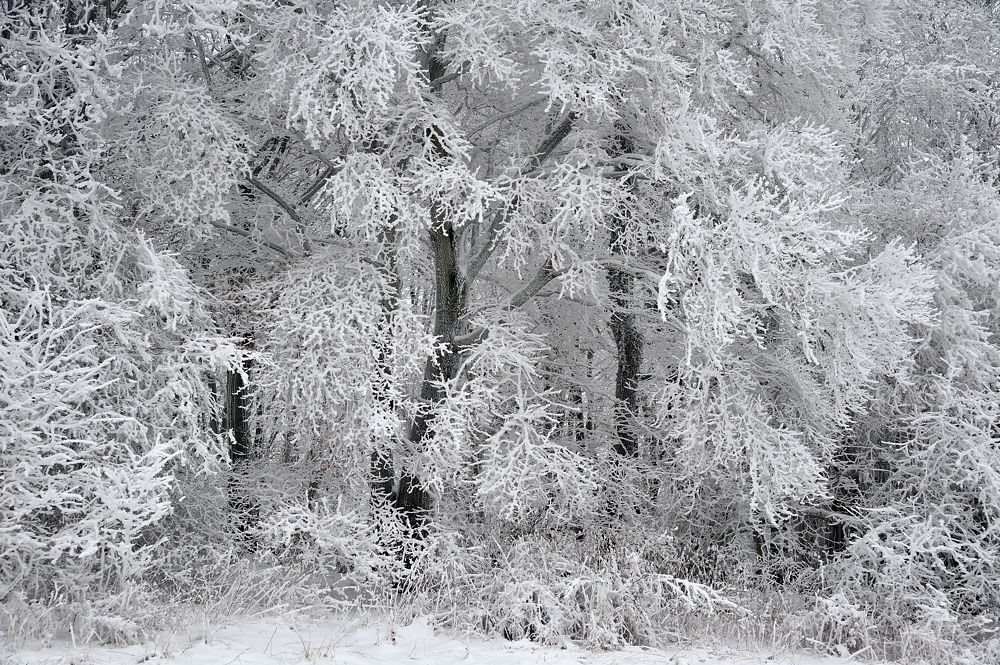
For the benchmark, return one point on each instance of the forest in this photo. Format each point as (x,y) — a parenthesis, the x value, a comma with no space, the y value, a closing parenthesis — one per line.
(586,320)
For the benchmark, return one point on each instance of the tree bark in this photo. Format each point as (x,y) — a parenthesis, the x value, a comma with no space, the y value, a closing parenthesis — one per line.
(628,338)
(451,295)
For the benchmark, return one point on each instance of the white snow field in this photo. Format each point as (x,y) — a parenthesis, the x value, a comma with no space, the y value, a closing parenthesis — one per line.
(298,641)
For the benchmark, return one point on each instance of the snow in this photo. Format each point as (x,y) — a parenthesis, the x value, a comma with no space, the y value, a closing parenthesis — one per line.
(298,641)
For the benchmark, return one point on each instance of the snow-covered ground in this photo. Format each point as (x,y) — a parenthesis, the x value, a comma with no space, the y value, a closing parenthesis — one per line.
(298,641)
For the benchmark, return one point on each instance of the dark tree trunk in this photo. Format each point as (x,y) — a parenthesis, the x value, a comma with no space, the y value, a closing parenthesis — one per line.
(449,308)
(450,295)
(234,415)
(629,343)
(235,424)
(628,338)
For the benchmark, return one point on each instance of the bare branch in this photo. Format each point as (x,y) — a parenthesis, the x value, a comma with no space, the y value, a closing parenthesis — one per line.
(222,57)
(620,263)
(621,174)
(482,250)
(333,240)
(546,273)
(306,245)
(561,131)
(316,186)
(829,515)
(447,78)
(628,160)
(472,339)
(315,153)
(201,58)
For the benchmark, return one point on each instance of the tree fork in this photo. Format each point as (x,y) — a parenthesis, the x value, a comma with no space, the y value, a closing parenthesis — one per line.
(451,290)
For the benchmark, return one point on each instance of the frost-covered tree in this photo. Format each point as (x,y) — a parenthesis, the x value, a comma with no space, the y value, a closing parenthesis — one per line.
(608,300)
(915,475)
(465,152)
(104,340)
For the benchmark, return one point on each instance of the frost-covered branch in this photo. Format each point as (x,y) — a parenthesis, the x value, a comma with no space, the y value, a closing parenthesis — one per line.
(504,116)
(274,196)
(246,234)
(544,275)
(487,245)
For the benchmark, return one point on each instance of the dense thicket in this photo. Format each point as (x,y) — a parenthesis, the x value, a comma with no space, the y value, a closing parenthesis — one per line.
(556,319)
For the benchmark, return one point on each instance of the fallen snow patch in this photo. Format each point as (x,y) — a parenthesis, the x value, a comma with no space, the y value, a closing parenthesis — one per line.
(298,641)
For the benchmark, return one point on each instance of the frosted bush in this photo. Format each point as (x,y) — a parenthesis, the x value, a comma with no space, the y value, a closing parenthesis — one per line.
(550,589)
(838,625)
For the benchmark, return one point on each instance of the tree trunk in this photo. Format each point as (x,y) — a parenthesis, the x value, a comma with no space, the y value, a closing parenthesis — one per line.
(449,307)
(628,338)
(383,474)
(450,295)
(235,423)
(234,415)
